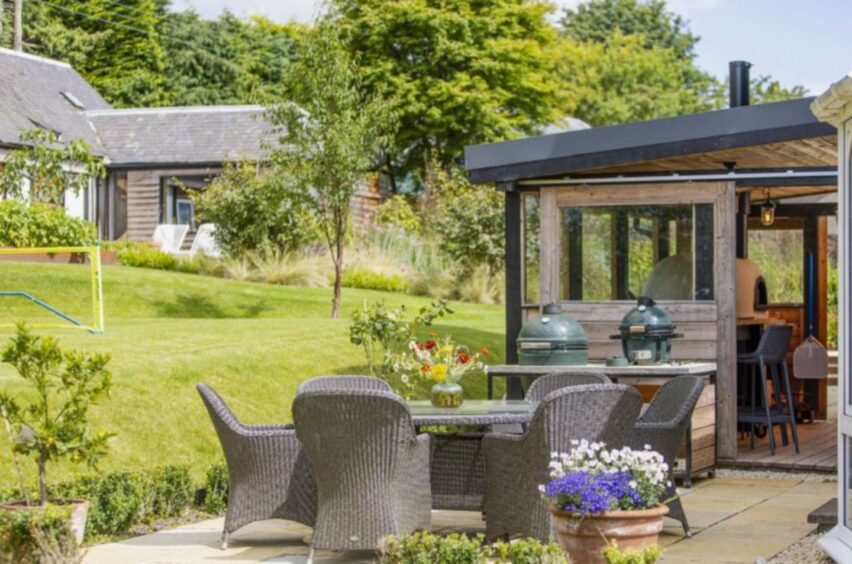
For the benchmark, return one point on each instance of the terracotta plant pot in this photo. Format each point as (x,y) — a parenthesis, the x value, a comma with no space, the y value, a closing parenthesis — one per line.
(583,540)
(78,513)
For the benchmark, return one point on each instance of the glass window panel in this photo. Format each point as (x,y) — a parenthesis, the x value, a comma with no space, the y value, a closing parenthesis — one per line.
(532,249)
(780,255)
(623,252)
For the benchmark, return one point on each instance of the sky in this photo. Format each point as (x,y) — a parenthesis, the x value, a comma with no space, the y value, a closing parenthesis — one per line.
(796,41)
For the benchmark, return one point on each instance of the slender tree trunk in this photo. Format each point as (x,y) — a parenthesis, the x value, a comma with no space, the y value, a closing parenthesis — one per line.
(42,480)
(338,276)
(18,36)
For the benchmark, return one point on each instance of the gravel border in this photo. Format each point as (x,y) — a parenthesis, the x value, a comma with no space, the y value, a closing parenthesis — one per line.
(805,551)
(776,475)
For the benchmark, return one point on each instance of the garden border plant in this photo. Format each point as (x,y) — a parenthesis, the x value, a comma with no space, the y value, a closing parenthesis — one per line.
(53,423)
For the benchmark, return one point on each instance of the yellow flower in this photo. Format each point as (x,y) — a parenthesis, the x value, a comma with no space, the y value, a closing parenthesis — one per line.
(439,372)
(447,349)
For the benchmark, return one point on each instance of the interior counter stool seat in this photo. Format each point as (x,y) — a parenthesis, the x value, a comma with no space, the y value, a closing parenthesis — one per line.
(663,426)
(269,475)
(515,465)
(372,469)
(768,362)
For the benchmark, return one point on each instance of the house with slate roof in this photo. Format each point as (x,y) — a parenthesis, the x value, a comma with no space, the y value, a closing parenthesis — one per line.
(153,156)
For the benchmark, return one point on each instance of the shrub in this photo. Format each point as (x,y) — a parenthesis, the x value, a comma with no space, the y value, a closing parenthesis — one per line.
(33,537)
(253,210)
(287,269)
(42,225)
(368,280)
(480,287)
(216,489)
(460,549)
(171,491)
(471,228)
(144,256)
(121,500)
(397,212)
(649,555)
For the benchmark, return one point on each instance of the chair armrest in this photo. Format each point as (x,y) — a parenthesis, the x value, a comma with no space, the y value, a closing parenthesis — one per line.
(268,430)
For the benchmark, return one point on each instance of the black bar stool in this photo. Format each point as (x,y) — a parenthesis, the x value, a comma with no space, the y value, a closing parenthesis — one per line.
(765,361)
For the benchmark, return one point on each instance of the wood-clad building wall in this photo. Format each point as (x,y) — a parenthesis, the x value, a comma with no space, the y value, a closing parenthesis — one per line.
(709,327)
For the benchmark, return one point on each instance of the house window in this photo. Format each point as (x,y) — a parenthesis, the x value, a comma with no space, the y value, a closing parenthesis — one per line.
(532,248)
(780,255)
(623,252)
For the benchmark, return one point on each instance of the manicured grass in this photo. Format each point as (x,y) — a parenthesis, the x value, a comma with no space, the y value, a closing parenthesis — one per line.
(166,331)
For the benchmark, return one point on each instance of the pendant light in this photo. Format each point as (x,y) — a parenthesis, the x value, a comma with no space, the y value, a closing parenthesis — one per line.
(767,211)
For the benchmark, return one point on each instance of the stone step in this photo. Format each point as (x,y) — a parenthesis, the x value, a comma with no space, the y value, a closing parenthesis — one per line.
(824,516)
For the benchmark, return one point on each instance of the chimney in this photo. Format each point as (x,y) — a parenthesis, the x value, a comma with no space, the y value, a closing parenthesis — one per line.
(739,90)
(739,83)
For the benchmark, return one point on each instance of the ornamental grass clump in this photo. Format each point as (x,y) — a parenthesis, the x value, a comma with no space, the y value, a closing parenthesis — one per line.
(591,480)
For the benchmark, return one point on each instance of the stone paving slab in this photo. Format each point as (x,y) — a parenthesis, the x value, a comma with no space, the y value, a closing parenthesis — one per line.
(732,520)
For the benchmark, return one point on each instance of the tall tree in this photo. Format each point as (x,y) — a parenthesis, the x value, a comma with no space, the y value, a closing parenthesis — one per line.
(462,71)
(123,57)
(330,134)
(226,60)
(621,80)
(595,20)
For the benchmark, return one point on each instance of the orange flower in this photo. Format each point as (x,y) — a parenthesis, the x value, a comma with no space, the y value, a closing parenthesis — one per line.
(425,369)
(463,357)
(484,351)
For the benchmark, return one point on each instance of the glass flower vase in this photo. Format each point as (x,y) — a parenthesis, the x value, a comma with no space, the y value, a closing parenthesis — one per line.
(447,394)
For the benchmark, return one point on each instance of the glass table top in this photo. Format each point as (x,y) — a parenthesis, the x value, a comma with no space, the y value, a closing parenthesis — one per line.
(474,412)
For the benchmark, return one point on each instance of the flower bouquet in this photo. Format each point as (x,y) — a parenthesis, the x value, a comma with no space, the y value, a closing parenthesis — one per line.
(443,363)
(597,494)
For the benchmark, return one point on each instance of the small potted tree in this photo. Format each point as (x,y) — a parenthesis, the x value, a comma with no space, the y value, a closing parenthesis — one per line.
(598,496)
(52,422)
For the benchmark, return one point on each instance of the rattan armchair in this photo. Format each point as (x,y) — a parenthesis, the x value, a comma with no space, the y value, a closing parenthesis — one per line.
(372,470)
(515,465)
(663,427)
(269,476)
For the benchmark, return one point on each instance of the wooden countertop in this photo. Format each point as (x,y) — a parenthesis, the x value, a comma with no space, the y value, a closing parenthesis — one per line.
(662,370)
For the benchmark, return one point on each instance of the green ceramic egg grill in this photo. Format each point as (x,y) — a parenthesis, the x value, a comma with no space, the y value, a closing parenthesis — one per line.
(646,333)
(553,339)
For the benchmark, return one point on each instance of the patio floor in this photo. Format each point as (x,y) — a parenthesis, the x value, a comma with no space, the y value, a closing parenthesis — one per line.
(733,520)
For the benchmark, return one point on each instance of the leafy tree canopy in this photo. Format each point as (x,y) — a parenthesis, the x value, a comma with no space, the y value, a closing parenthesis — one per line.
(594,22)
(461,72)
(123,57)
(226,60)
(621,80)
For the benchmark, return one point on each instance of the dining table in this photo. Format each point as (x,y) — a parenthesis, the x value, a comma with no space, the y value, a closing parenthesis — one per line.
(457,461)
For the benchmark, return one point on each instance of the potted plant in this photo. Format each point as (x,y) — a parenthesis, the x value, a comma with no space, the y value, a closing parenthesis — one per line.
(598,495)
(52,422)
(444,364)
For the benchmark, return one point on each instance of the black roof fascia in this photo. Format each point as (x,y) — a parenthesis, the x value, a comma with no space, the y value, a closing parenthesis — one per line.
(718,130)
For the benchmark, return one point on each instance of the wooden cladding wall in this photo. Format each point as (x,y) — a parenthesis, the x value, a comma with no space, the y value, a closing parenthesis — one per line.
(709,327)
(143,198)
(143,204)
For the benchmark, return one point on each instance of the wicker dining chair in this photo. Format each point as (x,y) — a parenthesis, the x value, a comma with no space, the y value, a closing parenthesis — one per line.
(372,470)
(515,465)
(348,382)
(543,385)
(664,425)
(269,475)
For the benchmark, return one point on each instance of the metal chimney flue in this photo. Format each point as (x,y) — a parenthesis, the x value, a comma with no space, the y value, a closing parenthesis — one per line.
(739,83)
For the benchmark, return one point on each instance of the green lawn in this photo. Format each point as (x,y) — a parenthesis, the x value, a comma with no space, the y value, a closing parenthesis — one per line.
(167,331)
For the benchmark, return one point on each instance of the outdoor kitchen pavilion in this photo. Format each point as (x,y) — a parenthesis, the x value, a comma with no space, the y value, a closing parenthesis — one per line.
(597,217)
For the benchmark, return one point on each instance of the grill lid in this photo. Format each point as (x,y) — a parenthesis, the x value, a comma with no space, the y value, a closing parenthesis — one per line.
(646,319)
(552,330)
